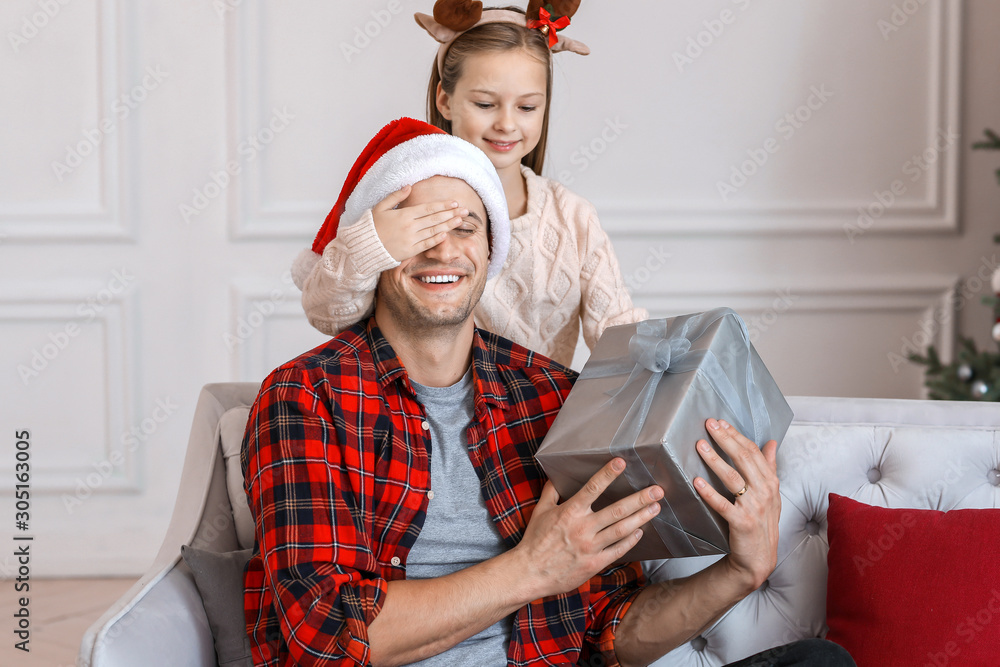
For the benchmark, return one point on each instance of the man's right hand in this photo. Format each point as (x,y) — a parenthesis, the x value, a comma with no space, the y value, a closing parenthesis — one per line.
(565,544)
(406,232)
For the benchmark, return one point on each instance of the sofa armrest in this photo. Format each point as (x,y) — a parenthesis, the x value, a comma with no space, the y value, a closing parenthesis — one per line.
(160,623)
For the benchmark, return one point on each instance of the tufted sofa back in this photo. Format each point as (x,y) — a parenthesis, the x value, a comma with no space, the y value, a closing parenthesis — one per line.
(890,453)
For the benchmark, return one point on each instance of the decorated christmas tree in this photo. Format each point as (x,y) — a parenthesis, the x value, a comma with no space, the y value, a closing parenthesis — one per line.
(974,375)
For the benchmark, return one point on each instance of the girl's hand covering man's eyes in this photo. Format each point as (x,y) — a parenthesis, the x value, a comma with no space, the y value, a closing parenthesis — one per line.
(408,231)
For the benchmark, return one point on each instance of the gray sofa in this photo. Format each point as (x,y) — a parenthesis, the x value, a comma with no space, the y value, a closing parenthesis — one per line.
(889,453)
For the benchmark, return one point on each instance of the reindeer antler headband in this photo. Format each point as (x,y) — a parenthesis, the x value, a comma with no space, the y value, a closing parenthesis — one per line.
(452,18)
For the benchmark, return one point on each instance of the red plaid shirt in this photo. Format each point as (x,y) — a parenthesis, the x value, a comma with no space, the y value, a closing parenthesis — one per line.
(336,473)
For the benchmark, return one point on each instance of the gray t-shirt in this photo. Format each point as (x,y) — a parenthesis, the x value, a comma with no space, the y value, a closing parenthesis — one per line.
(458,531)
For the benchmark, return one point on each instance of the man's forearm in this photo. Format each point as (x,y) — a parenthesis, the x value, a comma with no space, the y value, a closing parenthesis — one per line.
(423,617)
(667,614)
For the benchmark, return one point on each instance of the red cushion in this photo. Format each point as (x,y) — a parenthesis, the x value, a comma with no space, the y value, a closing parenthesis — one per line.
(914,588)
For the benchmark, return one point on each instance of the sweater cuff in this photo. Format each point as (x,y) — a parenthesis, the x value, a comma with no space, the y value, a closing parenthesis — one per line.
(367,253)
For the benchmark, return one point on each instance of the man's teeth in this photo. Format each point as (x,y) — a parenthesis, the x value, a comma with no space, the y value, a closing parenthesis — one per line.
(439,279)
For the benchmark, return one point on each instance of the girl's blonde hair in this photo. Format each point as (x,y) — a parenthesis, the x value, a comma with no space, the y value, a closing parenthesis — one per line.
(493,38)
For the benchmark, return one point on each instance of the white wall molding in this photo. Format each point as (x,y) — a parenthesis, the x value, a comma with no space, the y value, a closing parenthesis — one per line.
(57,306)
(939,213)
(812,293)
(105,217)
(929,299)
(250,216)
(257,307)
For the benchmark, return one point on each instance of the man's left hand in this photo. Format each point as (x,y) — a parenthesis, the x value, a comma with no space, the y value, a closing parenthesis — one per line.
(753,514)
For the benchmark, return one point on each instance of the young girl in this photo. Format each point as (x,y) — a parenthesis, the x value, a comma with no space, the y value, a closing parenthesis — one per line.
(491,85)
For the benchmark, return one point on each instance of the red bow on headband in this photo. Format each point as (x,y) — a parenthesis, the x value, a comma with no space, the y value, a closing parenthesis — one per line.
(548,26)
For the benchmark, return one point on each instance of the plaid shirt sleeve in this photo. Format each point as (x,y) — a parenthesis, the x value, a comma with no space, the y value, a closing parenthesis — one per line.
(611,594)
(317,561)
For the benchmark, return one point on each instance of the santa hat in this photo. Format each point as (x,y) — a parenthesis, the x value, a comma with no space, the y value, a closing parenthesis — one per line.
(405,152)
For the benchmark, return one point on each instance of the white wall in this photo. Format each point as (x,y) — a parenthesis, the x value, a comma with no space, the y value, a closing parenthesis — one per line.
(158,302)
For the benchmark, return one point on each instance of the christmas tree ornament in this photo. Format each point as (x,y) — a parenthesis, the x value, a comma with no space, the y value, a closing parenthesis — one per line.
(954,381)
(979,389)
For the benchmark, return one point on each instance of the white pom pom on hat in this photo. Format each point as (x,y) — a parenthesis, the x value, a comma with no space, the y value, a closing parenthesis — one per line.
(404,152)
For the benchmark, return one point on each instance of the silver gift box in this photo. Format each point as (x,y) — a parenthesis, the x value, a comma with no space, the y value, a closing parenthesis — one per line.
(645,395)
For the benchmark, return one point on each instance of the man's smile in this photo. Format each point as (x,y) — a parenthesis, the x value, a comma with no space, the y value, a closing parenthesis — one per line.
(440,279)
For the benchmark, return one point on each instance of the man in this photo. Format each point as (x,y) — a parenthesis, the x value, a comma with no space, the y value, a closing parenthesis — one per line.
(400,514)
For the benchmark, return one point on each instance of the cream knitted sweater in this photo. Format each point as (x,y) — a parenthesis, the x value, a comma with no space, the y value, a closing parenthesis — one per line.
(561,271)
